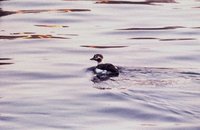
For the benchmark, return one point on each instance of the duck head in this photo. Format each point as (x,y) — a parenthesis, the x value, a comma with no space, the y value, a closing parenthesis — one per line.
(97,57)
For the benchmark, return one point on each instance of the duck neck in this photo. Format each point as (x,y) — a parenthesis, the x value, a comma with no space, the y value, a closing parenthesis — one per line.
(99,62)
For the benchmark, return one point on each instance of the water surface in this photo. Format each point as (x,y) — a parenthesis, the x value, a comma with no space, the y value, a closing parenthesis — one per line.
(44,58)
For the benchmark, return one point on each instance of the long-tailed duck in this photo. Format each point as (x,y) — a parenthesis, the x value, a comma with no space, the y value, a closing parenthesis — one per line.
(106,69)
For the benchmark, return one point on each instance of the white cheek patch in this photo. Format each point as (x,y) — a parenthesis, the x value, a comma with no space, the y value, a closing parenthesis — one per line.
(98,57)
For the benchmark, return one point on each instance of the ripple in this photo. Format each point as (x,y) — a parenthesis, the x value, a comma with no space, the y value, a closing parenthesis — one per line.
(47,87)
(22,33)
(122,2)
(51,10)
(6,118)
(195,27)
(186,57)
(5,59)
(37,75)
(163,39)
(102,47)
(162,1)
(5,13)
(10,37)
(138,114)
(2,61)
(192,73)
(108,96)
(43,37)
(147,2)
(52,26)
(36,36)
(155,28)
(178,39)
(197,7)
(5,63)
(144,38)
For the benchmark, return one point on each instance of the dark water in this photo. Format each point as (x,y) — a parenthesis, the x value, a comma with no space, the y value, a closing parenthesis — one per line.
(45,47)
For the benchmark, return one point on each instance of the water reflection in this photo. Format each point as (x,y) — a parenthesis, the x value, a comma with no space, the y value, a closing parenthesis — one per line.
(51,10)
(35,36)
(196,27)
(47,87)
(22,33)
(144,38)
(52,26)
(5,61)
(177,39)
(163,39)
(147,2)
(5,13)
(155,28)
(123,2)
(162,1)
(102,47)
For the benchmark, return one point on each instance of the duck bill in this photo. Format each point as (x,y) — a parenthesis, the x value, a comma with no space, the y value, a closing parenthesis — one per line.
(92,58)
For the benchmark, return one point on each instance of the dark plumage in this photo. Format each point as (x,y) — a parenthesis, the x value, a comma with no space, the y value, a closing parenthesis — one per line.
(104,70)
(111,69)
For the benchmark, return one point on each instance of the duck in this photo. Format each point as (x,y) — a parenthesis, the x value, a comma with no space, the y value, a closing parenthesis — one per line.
(104,69)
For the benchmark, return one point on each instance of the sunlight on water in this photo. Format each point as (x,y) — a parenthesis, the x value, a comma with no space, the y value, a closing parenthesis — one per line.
(47,79)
